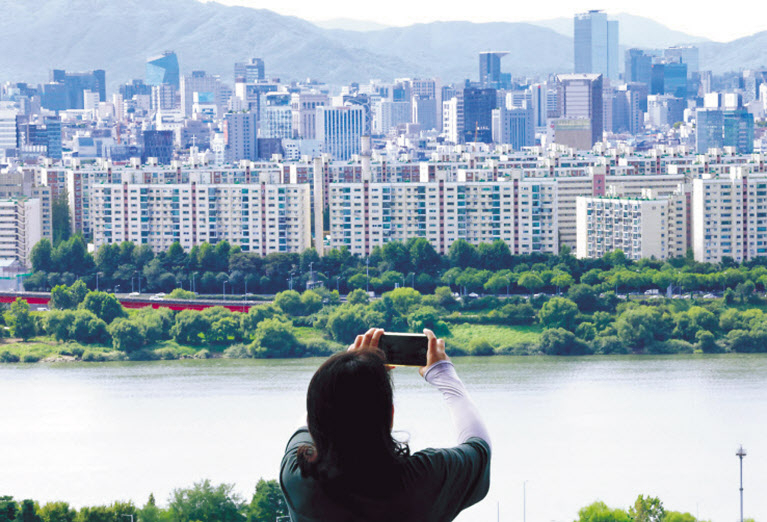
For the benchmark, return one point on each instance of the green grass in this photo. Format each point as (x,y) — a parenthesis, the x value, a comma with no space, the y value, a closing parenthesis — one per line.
(497,335)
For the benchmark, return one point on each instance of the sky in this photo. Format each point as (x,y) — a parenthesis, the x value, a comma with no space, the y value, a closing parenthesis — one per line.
(708,19)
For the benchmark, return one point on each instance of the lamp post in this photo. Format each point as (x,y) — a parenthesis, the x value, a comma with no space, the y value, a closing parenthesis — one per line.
(97,281)
(338,278)
(131,517)
(740,454)
(524,501)
(223,288)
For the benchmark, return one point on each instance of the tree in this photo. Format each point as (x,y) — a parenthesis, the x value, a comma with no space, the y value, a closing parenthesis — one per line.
(638,327)
(41,256)
(462,254)
(403,298)
(599,512)
(19,318)
(558,341)
(104,305)
(28,512)
(427,317)
(60,218)
(8,509)
(289,302)
(480,347)
(61,298)
(57,512)
(206,503)
(585,297)
(423,257)
(268,503)
(530,281)
(225,330)
(189,327)
(344,323)
(249,322)
(127,336)
(311,302)
(558,312)
(357,296)
(647,509)
(275,339)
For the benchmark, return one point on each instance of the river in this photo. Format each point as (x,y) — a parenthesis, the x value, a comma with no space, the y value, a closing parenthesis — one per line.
(566,431)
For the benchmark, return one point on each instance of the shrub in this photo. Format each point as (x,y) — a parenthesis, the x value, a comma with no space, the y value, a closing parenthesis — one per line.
(480,347)
(275,339)
(237,351)
(180,293)
(202,354)
(89,356)
(166,354)
(8,357)
(30,358)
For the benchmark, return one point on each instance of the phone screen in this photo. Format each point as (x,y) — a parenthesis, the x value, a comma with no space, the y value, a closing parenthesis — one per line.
(404,349)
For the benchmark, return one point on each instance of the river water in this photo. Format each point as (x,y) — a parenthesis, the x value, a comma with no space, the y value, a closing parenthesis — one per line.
(566,431)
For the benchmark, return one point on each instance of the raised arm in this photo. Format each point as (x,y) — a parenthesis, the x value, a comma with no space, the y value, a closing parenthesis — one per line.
(441,373)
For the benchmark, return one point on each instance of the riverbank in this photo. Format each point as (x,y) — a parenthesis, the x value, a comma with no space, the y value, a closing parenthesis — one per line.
(513,340)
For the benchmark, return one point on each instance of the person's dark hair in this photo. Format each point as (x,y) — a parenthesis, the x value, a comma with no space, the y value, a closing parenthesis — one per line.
(349,412)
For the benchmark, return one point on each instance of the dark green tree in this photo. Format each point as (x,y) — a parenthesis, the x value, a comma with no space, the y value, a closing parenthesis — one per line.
(189,327)
(61,218)
(104,305)
(268,503)
(127,336)
(19,318)
(462,254)
(28,512)
(205,503)
(41,256)
(276,339)
(558,312)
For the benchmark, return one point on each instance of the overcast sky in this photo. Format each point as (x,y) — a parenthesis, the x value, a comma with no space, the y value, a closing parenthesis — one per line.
(720,21)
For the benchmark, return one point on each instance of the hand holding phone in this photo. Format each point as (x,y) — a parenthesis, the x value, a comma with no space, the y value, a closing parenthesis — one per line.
(404,349)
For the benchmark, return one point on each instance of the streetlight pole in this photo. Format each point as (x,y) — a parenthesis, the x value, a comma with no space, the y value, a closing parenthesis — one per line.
(741,453)
(524,501)
(367,273)
(223,288)
(97,281)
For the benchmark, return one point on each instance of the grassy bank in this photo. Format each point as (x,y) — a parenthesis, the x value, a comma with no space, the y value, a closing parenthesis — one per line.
(47,349)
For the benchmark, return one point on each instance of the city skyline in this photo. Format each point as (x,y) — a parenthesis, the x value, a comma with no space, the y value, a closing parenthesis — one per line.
(725,26)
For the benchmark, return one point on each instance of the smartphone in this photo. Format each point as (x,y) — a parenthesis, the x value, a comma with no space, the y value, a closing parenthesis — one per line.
(404,349)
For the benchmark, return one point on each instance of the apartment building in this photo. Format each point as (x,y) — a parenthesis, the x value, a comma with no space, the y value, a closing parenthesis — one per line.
(368,214)
(729,216)
(648,226)
(259,216)
(21,227)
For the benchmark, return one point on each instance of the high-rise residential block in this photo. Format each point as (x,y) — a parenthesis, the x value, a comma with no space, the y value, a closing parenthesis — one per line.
(644,227)
(596,44)
(260,217)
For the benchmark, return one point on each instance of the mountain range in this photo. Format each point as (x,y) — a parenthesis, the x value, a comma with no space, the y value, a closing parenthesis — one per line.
(119,36)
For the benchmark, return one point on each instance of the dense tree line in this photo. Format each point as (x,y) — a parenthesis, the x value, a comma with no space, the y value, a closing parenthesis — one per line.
(584,319)
(645,509)
(203,502)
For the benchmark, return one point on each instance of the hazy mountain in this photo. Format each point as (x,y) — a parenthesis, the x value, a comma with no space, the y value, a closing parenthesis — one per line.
(349,24)
(743,53)
(119,35)
(449,49)
(635,31)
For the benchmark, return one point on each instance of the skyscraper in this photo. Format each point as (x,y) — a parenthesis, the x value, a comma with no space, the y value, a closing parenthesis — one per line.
(596,44)
(580,99)
(163,69)
(490,68)
(240,136)
(250,71)
(638,65)
(340,129)
(478,105)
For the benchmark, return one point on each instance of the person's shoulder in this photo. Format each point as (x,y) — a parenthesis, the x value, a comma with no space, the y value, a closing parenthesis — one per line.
(474,451)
